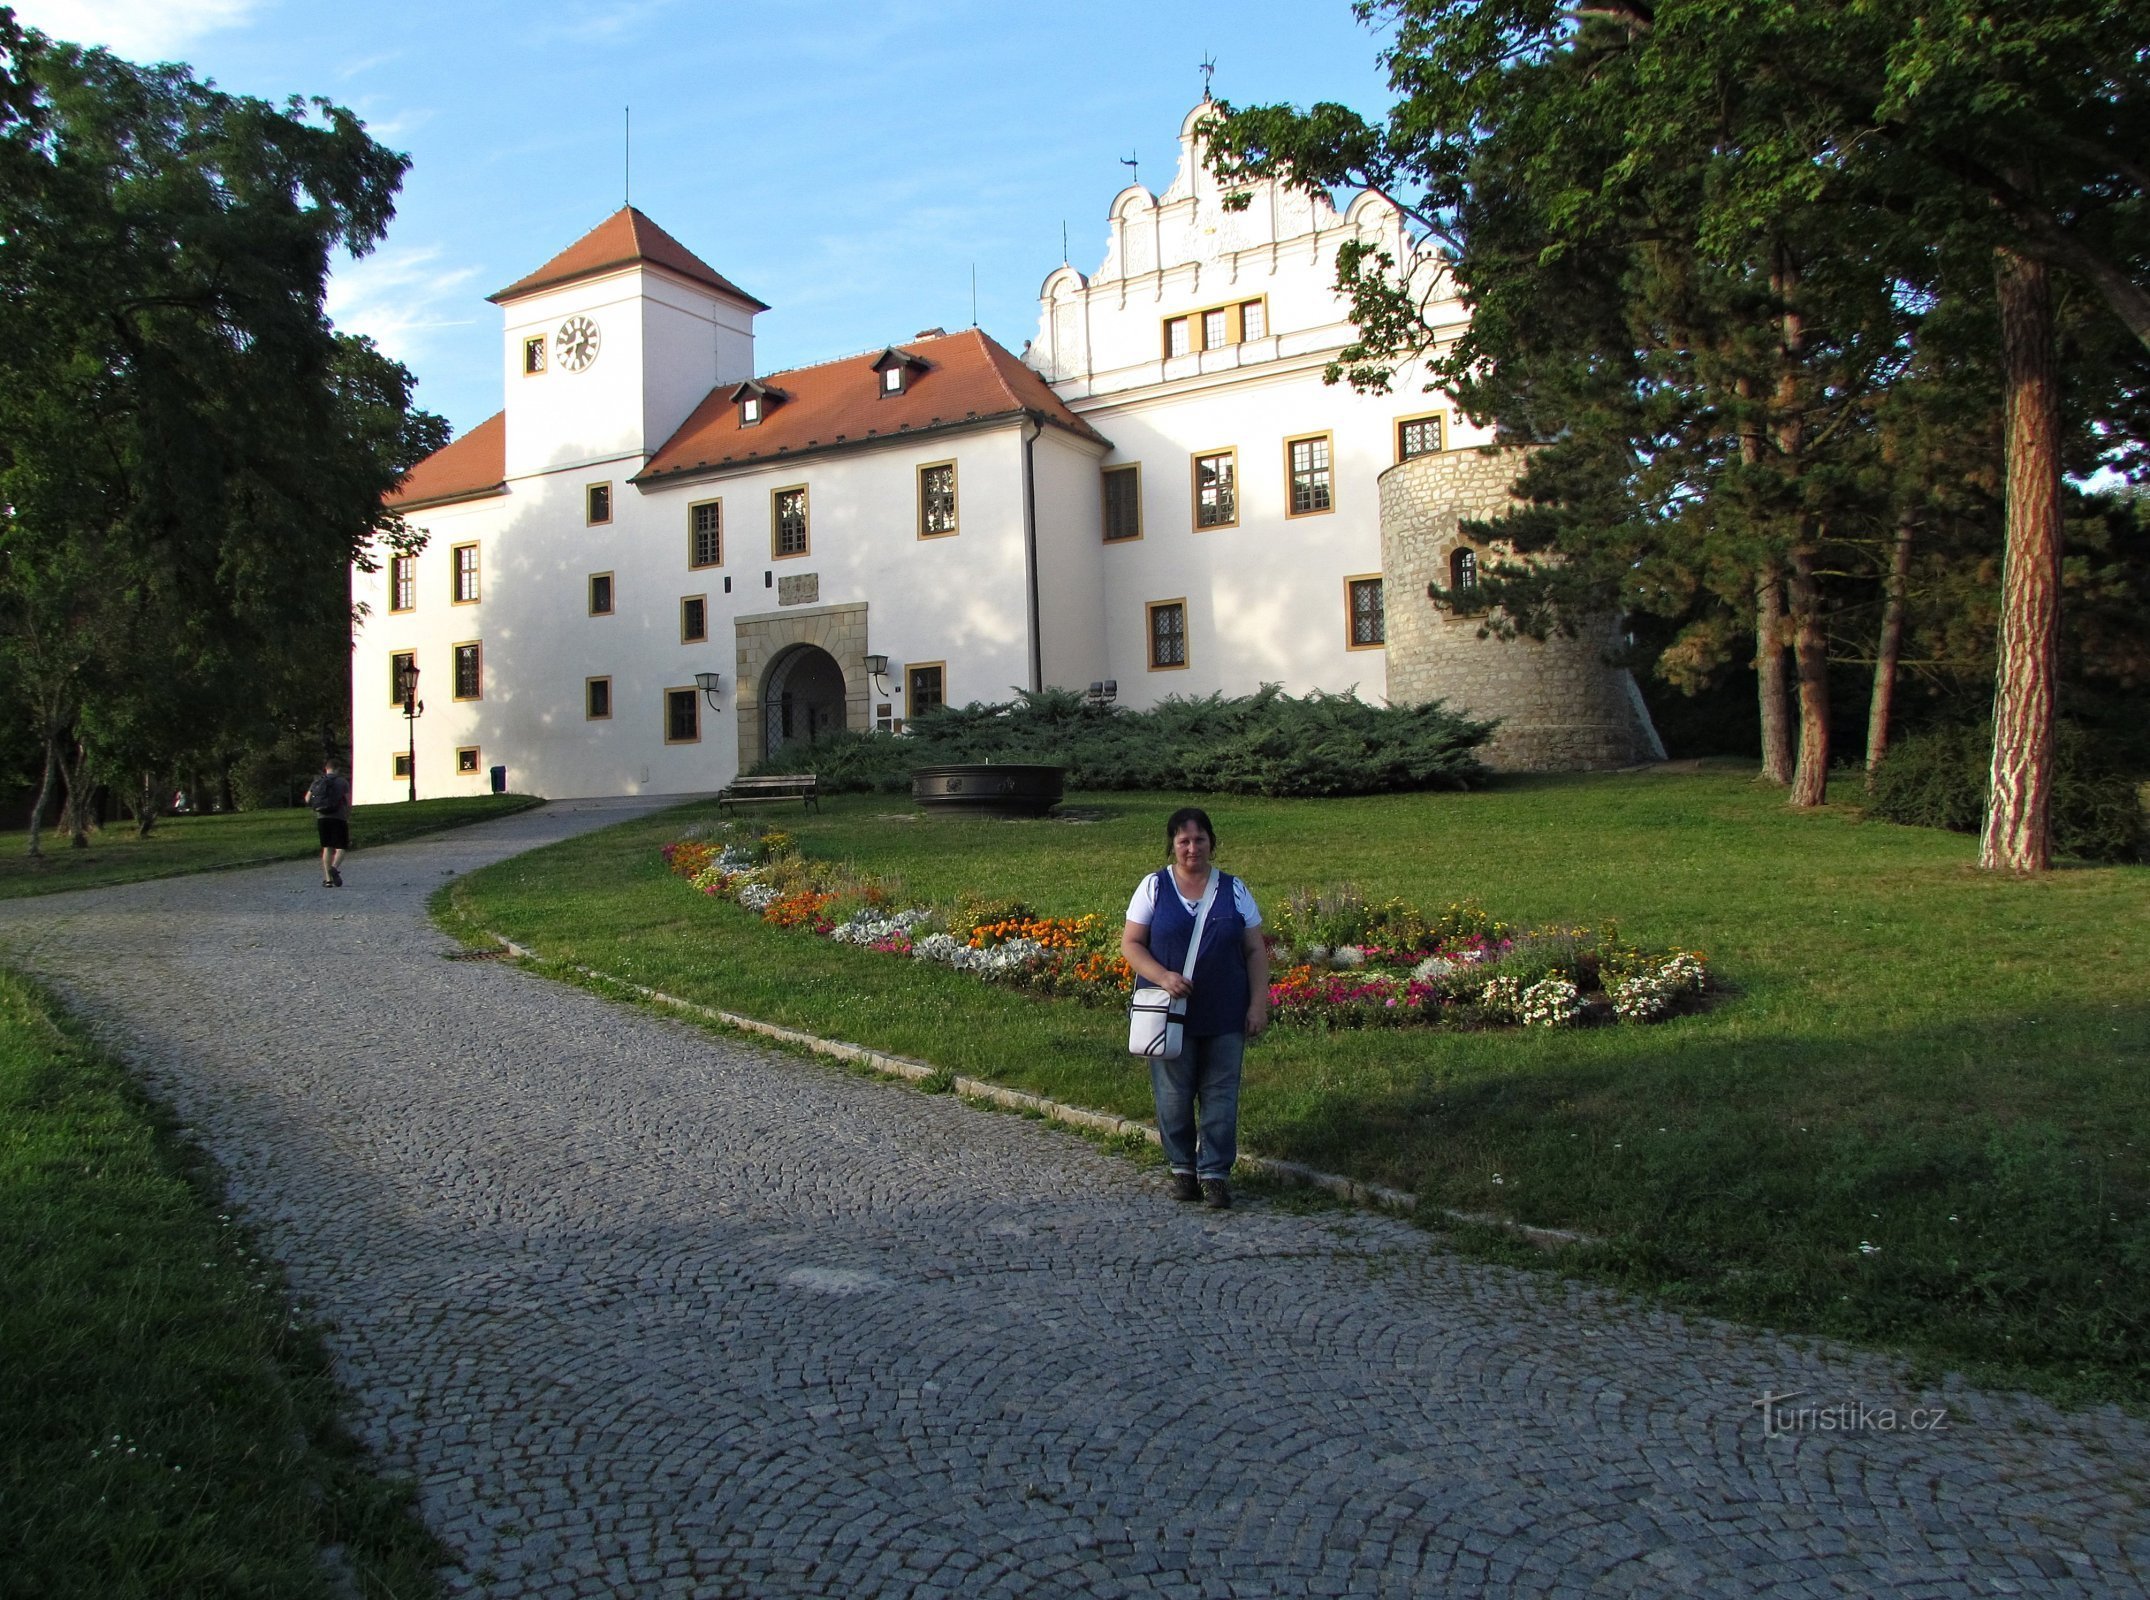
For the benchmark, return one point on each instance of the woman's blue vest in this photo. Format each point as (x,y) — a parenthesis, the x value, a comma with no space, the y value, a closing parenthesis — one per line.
(1219,1002)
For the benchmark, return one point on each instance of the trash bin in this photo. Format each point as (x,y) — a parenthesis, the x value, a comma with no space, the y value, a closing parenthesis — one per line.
(500,780)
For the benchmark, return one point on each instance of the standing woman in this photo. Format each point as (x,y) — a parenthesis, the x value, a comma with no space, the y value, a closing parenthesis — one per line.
(1227,999)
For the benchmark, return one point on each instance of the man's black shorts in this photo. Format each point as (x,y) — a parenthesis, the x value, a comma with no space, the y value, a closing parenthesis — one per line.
(335,832)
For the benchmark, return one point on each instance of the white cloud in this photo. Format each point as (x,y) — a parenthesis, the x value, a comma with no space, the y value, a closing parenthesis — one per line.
(140,30)
(351,69)
(399,297)
(620,19)
(397,124)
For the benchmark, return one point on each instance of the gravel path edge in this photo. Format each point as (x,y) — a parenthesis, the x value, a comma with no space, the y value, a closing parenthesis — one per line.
(1373,1196)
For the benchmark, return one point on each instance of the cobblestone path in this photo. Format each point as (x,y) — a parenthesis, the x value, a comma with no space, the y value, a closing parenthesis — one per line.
(645,1311)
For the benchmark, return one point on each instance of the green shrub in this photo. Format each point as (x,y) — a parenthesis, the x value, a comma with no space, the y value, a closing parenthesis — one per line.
(1268,744)
(1938,779)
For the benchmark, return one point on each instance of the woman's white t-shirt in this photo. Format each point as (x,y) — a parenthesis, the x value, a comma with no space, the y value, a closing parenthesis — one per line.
(1143,908)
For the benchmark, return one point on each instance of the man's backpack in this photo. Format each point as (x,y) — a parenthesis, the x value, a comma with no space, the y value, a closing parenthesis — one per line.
(327,793)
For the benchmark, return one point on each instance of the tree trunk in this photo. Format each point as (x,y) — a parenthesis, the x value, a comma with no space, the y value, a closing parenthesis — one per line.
(146,809)
(1889,648)
(1768,629)
(2018,835)
(44,796)
(75,809)
(1810,647)
(1769,675)
(1810,650)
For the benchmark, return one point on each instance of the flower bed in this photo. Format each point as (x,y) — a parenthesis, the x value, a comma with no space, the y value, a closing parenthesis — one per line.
(1337,960)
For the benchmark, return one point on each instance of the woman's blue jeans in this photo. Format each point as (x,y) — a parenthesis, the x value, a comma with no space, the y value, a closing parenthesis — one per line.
(1198,1097)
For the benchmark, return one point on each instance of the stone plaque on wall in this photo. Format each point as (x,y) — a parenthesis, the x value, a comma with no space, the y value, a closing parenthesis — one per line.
(804,589)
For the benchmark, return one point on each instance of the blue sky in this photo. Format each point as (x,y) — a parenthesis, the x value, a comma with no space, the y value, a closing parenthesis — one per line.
(847,163)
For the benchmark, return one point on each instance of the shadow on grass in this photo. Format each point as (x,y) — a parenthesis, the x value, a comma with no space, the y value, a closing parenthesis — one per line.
(1955,1191)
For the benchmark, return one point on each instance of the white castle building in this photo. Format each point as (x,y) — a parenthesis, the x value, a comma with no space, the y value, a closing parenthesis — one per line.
(1161,491)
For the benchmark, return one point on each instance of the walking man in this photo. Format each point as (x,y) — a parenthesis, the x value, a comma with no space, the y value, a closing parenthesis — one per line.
(330,797)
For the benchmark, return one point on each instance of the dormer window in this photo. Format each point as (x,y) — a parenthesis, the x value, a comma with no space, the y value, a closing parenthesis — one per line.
(898,369)
(754,399)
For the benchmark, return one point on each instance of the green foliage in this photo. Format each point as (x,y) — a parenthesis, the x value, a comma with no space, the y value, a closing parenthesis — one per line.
(191,457)
(1939,779)
(1730,274)
(1267,743)
(1340,914)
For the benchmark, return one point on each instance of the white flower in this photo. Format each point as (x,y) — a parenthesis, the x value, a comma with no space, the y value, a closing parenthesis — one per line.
(756,895)
(1646,996)
(1348,956)
(1433,967)
(871,927)
(1686,972)
(1502,996)
(942,947)
(1549,1003)
(1642,998)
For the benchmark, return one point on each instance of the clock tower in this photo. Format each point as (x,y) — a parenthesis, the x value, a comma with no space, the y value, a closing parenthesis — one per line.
(611,343)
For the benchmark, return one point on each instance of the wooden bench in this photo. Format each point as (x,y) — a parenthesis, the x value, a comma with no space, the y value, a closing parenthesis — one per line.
(801,786)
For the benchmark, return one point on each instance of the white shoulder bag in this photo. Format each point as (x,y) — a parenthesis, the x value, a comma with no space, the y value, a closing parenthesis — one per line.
(1154,1019)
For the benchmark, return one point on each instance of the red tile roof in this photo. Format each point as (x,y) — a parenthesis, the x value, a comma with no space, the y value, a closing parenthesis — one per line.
(621,240)
(463,469)
(966,378)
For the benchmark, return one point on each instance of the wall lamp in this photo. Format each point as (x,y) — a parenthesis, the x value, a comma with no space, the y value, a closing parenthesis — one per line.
(877,669)
(710,683)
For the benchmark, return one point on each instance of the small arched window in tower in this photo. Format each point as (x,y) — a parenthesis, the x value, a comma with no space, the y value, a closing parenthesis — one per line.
(1462,572)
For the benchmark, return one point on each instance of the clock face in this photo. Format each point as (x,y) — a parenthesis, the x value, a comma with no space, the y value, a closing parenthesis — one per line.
(576,343)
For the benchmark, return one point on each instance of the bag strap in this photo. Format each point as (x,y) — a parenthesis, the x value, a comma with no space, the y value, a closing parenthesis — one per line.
(1165,885)
(1201,916)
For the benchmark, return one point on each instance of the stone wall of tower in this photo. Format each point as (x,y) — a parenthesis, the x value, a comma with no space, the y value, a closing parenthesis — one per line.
(1561,707)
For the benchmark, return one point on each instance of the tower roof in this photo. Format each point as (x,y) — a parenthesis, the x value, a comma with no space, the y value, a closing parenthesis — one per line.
(625,238)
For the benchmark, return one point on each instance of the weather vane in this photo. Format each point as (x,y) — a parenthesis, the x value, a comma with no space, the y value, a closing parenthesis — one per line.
(1209,71)
(1128,161)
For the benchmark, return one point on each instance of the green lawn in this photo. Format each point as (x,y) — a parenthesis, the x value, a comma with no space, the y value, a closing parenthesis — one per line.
(234,839)
(1945,1066)
(168,1429)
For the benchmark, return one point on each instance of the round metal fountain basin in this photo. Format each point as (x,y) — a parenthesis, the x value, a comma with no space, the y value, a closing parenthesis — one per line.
(988,790)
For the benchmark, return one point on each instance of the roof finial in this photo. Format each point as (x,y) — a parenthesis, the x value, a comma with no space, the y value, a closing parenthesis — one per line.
(1129,162)
(1209,71)
(627,155)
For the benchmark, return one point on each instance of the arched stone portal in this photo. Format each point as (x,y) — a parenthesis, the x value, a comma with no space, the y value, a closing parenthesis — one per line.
(802,697)
(816,654)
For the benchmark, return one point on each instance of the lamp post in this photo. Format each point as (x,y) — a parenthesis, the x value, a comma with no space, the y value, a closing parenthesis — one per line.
(413,709)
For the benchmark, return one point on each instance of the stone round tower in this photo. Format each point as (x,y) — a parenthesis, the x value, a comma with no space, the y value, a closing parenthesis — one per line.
(1562,706)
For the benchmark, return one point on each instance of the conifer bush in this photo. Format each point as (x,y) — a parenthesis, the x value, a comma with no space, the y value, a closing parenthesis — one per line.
(1269,743)
(1938,779)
